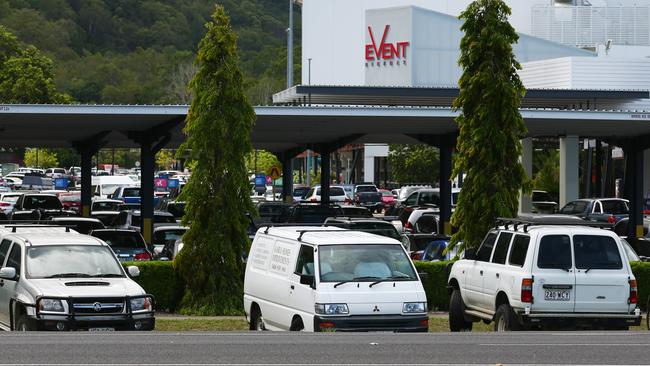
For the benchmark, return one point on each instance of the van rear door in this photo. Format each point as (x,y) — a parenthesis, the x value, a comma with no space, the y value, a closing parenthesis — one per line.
(554,281)
(601,275)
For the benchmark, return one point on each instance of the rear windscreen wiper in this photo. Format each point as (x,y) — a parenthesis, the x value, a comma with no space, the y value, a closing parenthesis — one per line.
(392,278)
(355,280)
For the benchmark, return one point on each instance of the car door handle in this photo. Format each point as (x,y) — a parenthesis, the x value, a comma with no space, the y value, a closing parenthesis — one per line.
(2,283)
(481,272)
(497,275)
(293,287)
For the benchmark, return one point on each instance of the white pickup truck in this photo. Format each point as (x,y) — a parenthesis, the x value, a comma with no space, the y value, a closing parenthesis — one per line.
(543,274)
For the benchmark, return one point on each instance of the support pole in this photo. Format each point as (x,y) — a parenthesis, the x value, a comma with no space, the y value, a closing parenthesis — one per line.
(147,157)
(86,180)
(287,178)
(325,177)
(633,187)
(569,165)
(525,200)
(446,148)
(598,170)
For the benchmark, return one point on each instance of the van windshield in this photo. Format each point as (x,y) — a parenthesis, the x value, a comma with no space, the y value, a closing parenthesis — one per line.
(365,262)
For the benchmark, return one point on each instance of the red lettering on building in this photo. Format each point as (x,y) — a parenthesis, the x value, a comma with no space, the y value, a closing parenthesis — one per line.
(384,51)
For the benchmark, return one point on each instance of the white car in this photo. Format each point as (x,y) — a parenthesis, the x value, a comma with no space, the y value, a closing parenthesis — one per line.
(544,273)
(56,279)
(337,195)
(55,173)
(8,201)
(331,279)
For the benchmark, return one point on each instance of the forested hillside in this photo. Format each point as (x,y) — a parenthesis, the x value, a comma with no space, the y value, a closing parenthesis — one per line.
(142,51)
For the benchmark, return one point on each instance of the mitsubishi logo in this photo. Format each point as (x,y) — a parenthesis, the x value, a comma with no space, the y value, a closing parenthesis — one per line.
(97,307)
(376,309)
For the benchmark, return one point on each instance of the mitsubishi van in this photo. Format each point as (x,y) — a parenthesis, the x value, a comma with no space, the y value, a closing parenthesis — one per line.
(331,279)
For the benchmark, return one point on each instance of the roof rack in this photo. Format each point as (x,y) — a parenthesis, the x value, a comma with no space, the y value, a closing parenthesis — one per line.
(285,224)
(547,220)
(302,232)
(14,227)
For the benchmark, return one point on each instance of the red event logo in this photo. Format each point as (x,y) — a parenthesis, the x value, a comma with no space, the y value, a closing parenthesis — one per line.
(385,51)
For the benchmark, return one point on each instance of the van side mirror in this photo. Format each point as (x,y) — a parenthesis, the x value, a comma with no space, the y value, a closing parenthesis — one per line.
(8,273)
(470,253)
(309,280)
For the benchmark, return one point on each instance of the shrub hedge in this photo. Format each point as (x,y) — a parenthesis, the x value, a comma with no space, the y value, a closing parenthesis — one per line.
(161,280)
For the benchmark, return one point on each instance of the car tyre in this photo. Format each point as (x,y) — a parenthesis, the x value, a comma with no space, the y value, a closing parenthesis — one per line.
(257,322)
(457,322)
(296,325)
(505,319)
(23,324)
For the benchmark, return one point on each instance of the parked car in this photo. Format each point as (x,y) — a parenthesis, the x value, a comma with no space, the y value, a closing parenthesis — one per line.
(36,206)
(353,211)
(423,220)
(105,205)
(132,219)
(299,193)
(165,238)
(71,201)
(543,203)
(425,198)
(106,217)
(67,281)
(387,199)
(337,195)
(347,281)
(127,194)
(609,210)
(128,245)
(82,225)
(176,208)
(433,248)
(541,273)
(310,214)
(55,173)
(368,196)
(373,226)
(8,201)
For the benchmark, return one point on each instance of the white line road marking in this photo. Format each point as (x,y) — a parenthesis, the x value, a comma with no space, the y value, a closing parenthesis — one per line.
(565,344)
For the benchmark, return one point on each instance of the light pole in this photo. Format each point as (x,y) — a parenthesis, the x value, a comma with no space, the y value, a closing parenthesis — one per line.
(290,47)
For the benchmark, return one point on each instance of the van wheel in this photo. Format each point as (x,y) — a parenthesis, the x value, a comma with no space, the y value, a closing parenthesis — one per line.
(505,319)
(457,322)
(296,325)
(23,324)
(257,322)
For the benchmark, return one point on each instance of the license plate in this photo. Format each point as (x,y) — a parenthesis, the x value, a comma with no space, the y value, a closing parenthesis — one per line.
(101,330)
(557,295)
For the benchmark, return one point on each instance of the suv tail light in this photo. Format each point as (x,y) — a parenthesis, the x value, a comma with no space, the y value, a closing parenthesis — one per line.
(5,204)
(611,219)
(408,227)
(633,293)
(143,256)
(527,290)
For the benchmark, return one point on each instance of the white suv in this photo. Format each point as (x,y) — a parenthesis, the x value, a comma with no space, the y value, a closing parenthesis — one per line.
(544,274)
(55,279)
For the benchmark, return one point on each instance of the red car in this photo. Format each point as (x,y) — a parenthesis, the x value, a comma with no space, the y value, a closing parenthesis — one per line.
(71,201)
(387,198)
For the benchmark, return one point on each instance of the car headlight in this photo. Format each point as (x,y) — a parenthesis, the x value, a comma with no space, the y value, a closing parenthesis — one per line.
(51,306)
(140,304)
(331,309)
(414,307)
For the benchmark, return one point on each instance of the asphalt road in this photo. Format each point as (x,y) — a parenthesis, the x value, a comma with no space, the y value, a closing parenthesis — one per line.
(324,349)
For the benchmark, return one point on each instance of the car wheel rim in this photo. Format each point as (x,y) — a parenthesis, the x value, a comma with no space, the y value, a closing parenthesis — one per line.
(259,325)
(501,324)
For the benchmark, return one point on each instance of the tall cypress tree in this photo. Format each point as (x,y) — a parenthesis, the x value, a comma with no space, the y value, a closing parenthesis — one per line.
(218,130)
(490,125)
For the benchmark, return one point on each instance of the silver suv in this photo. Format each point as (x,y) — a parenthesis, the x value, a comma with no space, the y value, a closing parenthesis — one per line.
(55,279)
(544,273)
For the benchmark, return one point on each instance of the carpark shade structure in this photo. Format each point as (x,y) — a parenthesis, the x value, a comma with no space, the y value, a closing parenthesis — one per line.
(379,115)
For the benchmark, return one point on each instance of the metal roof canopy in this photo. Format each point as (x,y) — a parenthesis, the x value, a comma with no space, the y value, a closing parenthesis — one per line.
(283,128)
(444,96)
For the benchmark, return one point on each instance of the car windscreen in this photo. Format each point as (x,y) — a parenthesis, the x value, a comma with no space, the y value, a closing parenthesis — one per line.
(300,191)
(121,239)
(42,202)
(105,206)
(541,197)
(364,263)
(56,261)
(11,199)
(615,207)
(131,192)
(164,236)
(361,189)
(596,252)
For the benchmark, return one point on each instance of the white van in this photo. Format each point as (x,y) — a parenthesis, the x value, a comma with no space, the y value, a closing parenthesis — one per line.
(103,186)
(326,279)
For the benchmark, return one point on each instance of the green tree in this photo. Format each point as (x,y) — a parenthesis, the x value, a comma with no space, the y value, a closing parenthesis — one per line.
(37,158)
(414,163)
(164,159)
(265,161)
(490,125)
(218,130)
(26,76)
(547,178)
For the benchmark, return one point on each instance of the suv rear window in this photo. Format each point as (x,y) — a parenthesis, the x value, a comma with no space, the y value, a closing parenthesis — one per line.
(596,252)
(42,202)
(519,250)
(485,250)
(121,239)
(501,250)
(614,207)
(131,192)
(555,252)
